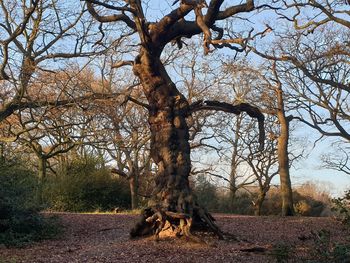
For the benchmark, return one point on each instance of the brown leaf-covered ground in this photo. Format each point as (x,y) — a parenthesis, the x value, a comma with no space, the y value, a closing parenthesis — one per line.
(104,238)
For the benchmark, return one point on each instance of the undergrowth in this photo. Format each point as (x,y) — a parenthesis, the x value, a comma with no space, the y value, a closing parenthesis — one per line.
(20,219)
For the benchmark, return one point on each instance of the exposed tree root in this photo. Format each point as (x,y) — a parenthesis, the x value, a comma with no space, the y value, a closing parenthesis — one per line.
(154,220)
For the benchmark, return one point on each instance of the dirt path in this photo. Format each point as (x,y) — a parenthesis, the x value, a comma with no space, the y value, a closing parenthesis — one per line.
(104,238)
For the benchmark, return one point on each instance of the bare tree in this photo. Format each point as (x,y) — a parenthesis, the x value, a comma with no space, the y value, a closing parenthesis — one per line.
(50,138)
(241,83)
(312,62)
(128,145)
(261,86)
(34,36)
(167,107)
(263,165)
(283,153)
(311,59)
(337,160)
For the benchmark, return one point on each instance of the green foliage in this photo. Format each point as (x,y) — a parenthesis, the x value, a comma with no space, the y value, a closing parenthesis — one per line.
(20,221)
(309,200)
(241,204)
(341,206)
(206,194)
(86,185)
(325,250)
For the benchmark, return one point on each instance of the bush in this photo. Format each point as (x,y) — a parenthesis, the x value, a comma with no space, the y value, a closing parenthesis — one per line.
(219,200)
(86,186)
(325,250)
(20,221)
(206,194)
(312,200)
(309,200)
(341,206)
(241,204)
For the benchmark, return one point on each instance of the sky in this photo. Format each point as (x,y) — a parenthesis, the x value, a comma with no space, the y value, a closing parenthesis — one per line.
(308,169)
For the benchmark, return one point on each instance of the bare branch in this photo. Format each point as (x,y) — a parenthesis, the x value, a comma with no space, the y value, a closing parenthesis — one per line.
(122,63)
(252,111)
(110,18)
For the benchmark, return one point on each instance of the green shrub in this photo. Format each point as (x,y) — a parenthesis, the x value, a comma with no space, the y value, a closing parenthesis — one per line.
(240,204)
(20,221)
(86,186)
(219,200)
(309,200)
(341,206)
(324,250)
(206,194)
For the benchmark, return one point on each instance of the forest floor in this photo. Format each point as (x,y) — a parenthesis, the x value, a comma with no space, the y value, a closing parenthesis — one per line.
(104,238)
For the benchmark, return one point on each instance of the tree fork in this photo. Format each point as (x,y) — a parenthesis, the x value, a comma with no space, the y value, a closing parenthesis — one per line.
(168,108)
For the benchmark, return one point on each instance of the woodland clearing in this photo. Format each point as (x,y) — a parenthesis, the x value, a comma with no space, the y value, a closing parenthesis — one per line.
(105,238)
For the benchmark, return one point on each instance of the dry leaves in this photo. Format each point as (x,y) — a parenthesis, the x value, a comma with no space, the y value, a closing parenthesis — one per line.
(104,238)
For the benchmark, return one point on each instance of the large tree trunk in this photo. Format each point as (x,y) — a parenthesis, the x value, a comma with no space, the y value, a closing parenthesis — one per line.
(172,197)
(283,160)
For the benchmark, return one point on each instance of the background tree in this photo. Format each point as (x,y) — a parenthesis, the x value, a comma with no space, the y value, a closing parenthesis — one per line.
(128,145)
(34,37)
(312,63)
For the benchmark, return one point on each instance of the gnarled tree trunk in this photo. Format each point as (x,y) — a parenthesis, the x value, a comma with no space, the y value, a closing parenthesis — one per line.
(172,198)
(170,149)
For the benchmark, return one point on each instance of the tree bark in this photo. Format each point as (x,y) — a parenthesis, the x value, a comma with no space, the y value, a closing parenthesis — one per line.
(283,160)
(170,150)
(133,183)
(2,152)
(233,172)
(258,204)
(41,177)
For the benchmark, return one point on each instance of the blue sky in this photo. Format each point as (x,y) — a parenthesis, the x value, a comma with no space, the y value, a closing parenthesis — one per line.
(308,169)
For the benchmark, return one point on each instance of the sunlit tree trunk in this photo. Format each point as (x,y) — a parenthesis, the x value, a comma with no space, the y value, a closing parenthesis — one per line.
(168,108)
(133,183)
(170,148)
(259,202)
(283,160)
